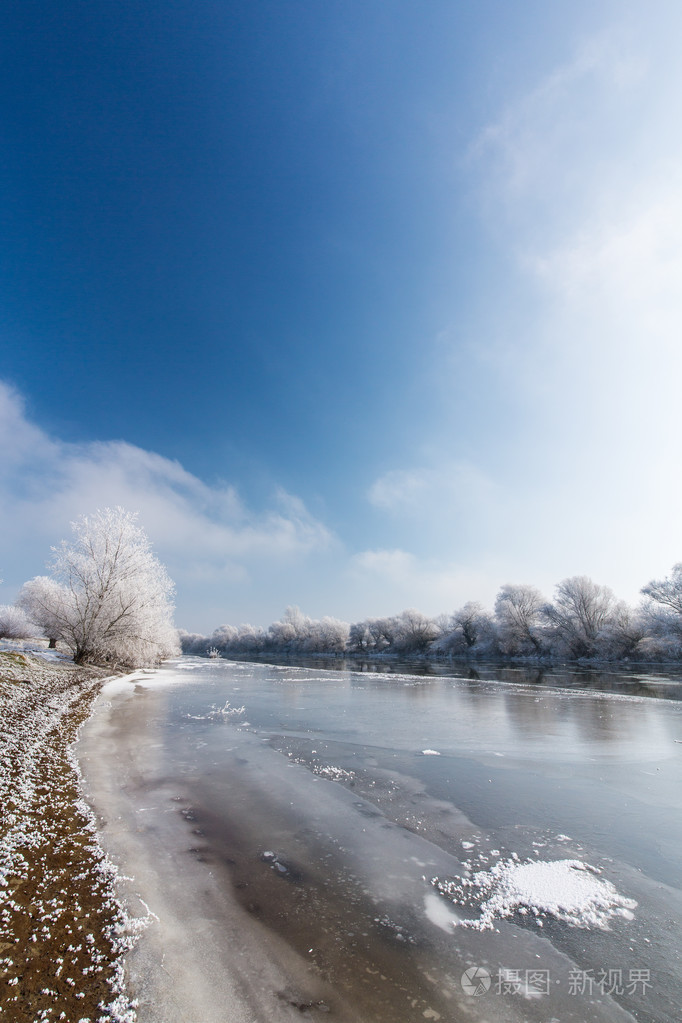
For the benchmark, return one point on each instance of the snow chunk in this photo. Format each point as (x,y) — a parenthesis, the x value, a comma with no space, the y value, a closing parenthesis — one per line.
(430,753)
(568,890)
(335,773)
(225,713)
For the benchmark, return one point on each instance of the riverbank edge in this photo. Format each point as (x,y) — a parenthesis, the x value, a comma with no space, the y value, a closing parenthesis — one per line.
(64,932)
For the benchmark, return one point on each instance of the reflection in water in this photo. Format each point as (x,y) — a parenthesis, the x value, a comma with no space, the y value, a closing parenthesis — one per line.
(632,681)
(588,722)
(572,723)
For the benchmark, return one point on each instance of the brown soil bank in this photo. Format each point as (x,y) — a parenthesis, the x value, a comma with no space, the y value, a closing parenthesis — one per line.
(62,932)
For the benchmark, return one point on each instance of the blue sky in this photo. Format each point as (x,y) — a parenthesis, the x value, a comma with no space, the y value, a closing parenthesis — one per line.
(361,305)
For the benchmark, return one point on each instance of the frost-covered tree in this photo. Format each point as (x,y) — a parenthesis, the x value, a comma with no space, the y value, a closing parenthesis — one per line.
(194,643)
(625,634)
(113,599)
(292,631)
(15,624)
(667,592)
(662,612)
(336,633)
(412,631)
(382,633)
(518,613)
(329,635)
(223,637)
(41,599)
(471,622)
(249,639)
(296,632)
(581,611)
(359,638)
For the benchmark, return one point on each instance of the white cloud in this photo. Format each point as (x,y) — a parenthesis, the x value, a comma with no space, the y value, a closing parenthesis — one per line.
(392,580)
(597,235)
(580,179)
(21,440)
(445,487)
(626,263)
(554,146)
(441,506)
(203,533)
(574,373)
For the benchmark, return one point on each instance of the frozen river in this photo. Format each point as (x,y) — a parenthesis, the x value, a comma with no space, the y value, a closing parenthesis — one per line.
(396,847)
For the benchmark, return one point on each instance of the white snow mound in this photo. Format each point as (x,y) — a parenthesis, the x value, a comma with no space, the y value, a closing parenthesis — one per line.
(568,890)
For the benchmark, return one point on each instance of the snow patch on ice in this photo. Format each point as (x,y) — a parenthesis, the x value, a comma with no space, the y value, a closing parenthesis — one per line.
(568,890)
(169,673)
(224,713)
(119,684)
(334,773)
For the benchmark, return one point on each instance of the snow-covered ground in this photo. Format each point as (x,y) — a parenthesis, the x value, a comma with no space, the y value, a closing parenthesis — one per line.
(63,932)
(35,648)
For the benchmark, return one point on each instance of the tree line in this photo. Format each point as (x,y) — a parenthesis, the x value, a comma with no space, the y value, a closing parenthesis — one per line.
(109,600)
(583,621)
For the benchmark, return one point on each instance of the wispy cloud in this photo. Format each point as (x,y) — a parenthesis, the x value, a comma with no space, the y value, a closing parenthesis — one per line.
(555,147)
(392,580)
(574,368)
(446,486)
(597,237)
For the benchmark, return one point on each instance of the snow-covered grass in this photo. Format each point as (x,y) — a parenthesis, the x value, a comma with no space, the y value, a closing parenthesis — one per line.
(62,930)
(37,648)
(568,890)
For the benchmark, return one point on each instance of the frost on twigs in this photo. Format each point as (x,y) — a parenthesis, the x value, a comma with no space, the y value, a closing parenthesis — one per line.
(62,930)
(567,890)
(109,598)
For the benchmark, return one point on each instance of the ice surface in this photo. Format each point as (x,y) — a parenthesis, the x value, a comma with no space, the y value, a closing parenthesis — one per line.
(439,914)
(357,856)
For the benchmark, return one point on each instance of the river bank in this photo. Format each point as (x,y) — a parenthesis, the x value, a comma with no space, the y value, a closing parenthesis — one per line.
(62,930)
(70,922)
